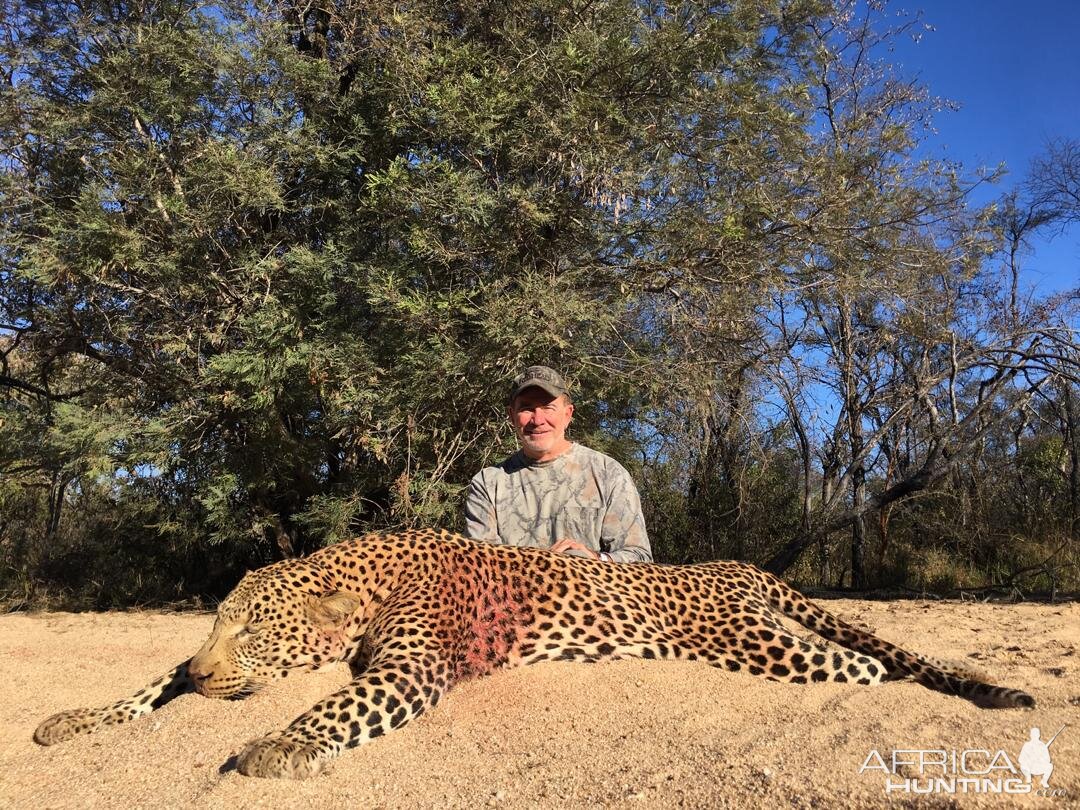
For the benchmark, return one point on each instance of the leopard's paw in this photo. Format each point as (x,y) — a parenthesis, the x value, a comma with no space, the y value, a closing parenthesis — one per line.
(65,725)
(277,757)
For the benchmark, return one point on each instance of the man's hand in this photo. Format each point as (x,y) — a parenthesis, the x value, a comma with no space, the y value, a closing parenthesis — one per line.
(567,545)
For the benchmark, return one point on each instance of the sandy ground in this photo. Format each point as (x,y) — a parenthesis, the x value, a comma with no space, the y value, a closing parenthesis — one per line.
(624,734)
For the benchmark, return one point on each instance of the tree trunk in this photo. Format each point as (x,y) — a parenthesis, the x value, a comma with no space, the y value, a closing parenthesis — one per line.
(853,408)
(858,529)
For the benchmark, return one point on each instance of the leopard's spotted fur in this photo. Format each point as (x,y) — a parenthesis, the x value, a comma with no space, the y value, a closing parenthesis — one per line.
(415,613)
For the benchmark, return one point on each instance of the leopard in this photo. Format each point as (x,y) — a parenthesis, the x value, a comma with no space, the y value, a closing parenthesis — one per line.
(415,612)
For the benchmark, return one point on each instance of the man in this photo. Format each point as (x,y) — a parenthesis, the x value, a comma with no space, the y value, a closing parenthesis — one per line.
(554,493)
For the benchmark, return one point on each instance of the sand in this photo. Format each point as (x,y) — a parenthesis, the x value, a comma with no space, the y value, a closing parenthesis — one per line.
(623,734)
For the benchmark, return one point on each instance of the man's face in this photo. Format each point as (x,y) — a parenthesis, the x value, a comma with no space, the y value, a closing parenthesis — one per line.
(540,421)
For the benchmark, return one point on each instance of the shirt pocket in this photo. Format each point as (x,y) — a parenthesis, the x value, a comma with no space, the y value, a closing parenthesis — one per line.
(581,523)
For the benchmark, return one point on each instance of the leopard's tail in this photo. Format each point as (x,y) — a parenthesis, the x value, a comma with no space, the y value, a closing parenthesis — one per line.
(898,663)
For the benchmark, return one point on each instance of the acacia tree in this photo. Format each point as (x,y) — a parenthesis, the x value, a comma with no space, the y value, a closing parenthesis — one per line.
(291,254)
(1053,184)
(921,373)
(890,345)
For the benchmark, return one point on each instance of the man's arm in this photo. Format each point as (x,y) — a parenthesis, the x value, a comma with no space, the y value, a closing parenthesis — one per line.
(480,520)
(624,524)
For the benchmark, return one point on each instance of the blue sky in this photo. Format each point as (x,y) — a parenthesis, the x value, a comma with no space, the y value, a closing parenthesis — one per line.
(1014,69)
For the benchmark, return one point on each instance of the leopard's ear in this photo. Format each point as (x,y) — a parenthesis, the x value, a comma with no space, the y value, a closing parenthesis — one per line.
(329,611)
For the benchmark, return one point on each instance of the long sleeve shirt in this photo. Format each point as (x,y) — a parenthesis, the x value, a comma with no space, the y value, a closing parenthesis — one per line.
(582,495)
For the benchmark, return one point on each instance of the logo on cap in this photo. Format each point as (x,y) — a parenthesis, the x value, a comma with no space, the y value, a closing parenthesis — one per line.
(540,377)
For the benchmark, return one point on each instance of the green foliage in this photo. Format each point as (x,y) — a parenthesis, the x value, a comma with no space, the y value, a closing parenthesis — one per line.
(266,271)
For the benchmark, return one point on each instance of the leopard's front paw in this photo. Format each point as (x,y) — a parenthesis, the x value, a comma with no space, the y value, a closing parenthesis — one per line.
(278,757)
(65,725)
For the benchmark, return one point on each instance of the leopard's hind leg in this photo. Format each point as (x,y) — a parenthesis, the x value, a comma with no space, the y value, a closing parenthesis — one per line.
(898,662)
(751,638)
(768,650)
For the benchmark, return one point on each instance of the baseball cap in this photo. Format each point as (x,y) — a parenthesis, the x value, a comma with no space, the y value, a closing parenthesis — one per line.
(541,377)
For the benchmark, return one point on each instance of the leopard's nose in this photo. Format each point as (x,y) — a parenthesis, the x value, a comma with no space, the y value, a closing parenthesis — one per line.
(198,674)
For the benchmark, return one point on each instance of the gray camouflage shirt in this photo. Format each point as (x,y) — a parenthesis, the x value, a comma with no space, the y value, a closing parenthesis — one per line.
(583,495)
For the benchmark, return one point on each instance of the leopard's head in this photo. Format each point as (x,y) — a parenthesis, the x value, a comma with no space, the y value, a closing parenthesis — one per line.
(284,617)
